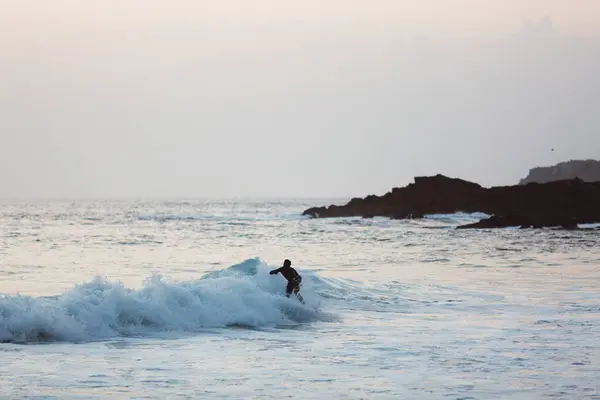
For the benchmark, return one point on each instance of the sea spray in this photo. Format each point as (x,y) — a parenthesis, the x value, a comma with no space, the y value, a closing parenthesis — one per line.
(242,295)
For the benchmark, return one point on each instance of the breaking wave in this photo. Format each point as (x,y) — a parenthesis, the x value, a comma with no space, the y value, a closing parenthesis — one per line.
(456,218)
(241,295)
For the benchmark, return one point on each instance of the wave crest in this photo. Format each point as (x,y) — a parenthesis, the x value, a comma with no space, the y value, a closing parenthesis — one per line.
(241,295)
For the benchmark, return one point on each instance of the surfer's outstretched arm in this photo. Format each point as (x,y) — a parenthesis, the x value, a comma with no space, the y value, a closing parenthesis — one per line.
(275,271)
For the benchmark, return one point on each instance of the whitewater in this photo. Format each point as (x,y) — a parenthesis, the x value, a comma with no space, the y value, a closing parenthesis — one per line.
(173,299)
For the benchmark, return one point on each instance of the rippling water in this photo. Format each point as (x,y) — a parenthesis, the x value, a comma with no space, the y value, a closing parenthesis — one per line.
(139,299)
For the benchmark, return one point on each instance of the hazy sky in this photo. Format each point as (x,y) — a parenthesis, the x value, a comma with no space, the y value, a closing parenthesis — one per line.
(222,98)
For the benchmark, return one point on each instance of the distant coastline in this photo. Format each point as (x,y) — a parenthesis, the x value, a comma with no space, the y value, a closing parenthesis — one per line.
(586,170)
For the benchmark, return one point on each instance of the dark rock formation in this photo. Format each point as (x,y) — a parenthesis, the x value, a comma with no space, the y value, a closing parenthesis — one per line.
(563,203)
(586,170)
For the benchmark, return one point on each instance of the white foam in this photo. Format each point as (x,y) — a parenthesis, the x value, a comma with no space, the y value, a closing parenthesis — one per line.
(244,294)
(589,226)
(459,216)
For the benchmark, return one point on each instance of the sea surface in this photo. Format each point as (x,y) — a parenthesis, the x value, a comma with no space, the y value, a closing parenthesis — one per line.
(173,300)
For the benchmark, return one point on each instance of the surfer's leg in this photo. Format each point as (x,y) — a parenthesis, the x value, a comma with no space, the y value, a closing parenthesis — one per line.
(298,295)
(289,289)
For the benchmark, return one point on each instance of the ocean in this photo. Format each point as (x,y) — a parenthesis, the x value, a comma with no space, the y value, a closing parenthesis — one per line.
(152,299)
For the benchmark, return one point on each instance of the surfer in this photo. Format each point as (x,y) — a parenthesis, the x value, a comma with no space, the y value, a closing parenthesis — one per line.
(293,277)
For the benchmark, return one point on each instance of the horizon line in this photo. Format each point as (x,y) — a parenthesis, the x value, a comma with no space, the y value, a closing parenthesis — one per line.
(165,198)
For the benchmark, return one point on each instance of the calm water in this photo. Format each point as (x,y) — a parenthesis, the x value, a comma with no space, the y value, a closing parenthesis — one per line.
(174,300)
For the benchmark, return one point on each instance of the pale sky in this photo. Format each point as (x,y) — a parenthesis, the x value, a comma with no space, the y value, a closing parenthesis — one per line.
(311,98)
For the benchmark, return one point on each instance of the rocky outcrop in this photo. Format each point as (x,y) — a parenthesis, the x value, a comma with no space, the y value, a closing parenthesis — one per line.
(563,203)
(586,170)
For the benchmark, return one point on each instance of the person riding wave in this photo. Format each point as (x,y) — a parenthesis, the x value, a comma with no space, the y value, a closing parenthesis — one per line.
(293,277)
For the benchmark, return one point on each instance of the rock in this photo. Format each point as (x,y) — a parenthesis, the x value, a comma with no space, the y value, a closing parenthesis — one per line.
(495,222)
(564,203)
(586,170)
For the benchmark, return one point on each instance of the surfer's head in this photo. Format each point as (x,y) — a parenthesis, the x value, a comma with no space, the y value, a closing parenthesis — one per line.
(287,263)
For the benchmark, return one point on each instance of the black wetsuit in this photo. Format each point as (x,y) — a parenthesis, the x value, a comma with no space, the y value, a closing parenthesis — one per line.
(292,277)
